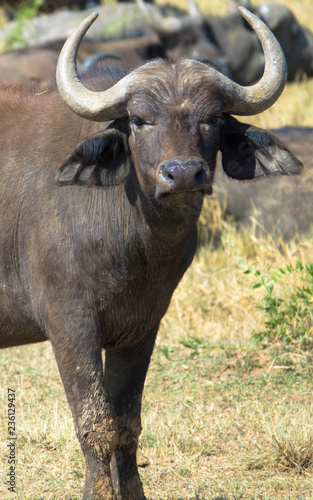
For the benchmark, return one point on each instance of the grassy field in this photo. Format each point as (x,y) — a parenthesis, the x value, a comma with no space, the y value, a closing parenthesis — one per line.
(227,409)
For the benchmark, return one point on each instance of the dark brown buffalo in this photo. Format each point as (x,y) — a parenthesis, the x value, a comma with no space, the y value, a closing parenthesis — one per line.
(187,35)
(98,224)
(235,42)
(295,39)
(281,207)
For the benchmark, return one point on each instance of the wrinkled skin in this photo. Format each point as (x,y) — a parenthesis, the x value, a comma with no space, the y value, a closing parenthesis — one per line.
(98,227)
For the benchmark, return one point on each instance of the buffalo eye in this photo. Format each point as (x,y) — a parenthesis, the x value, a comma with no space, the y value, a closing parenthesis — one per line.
(136,121)
(138,124)
(211,122)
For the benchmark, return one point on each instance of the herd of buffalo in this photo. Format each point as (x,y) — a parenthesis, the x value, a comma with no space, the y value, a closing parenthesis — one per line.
(108,148)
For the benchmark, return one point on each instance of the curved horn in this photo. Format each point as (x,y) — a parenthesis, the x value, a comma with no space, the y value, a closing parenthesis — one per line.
(259,97)
(98,106)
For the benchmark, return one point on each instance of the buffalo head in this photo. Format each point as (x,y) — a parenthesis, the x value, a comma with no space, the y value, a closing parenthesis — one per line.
(168,122)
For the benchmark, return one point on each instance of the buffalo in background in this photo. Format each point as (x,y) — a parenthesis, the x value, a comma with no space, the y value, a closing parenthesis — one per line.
(38,63)
(283,207)
(233,37)
(185,36)
(296,40)
(226,41)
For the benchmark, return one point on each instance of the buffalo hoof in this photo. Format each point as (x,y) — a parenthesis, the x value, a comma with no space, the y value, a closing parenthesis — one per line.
(125,477)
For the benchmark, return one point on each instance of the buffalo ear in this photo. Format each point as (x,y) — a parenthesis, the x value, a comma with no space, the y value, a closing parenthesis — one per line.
(102,160)
(252,153)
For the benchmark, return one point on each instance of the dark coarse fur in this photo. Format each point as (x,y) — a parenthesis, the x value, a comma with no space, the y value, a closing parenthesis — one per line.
(97,227)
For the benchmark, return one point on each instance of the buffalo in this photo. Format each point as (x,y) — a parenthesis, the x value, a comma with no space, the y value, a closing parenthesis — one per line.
(234,41)
(281,207)
(295,39)
(101,189)
(186,35)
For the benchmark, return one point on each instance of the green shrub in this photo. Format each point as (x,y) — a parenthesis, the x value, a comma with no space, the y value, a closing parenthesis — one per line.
(289,318)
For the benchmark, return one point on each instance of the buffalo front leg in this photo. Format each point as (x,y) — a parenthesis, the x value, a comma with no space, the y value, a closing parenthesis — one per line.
(125,373)
(78,353)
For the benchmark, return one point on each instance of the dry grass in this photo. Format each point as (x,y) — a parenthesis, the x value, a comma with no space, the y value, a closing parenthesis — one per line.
(295,107)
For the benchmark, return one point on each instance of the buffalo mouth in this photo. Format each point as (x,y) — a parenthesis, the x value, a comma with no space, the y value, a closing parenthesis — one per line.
(163,192)
(181,176)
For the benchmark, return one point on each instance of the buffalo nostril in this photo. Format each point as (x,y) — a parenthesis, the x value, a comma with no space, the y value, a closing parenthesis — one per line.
(199,178)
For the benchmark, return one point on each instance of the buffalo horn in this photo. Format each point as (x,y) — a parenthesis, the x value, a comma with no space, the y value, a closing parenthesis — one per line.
(259,97)
(111,103)
(97,106)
